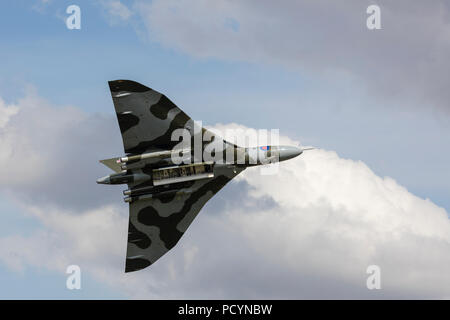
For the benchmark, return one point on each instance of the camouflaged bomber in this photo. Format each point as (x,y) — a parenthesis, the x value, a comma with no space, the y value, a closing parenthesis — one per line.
(169,179)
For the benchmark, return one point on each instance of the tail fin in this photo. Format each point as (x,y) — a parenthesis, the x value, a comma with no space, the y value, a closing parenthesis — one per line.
(113,164)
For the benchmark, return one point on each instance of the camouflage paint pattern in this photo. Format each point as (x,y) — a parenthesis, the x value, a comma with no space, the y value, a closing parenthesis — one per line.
(156,225)
(160,214)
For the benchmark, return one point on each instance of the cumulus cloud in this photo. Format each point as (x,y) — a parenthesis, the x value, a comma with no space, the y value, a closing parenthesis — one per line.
(309,231)
(407,58)
(116,10)
(6,111)
(335,215)
(51,153)
(41,5)
(68,237)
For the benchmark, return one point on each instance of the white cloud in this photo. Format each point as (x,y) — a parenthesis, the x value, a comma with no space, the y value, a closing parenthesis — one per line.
(325,39)
(309,231)
(41,5)
(6,112)
(116,10)
(336,216)
(67,238)
(49,152)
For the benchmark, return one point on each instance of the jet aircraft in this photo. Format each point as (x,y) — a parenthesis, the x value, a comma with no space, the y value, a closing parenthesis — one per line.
(170,181)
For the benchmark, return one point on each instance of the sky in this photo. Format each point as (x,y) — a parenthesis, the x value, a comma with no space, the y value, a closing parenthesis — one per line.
(375,103)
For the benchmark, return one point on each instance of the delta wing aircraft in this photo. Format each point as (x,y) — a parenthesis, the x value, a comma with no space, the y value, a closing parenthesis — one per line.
(170,181)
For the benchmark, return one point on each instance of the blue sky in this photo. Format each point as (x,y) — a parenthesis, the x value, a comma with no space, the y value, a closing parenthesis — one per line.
(336,105)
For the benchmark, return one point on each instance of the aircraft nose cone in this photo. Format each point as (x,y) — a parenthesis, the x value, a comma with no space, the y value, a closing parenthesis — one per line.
(289,152)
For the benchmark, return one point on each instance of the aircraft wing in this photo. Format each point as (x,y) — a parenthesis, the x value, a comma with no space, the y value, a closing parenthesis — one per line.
(146,117)
(157,224)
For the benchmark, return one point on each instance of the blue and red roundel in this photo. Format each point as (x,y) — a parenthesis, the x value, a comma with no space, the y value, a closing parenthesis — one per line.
(265,148)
